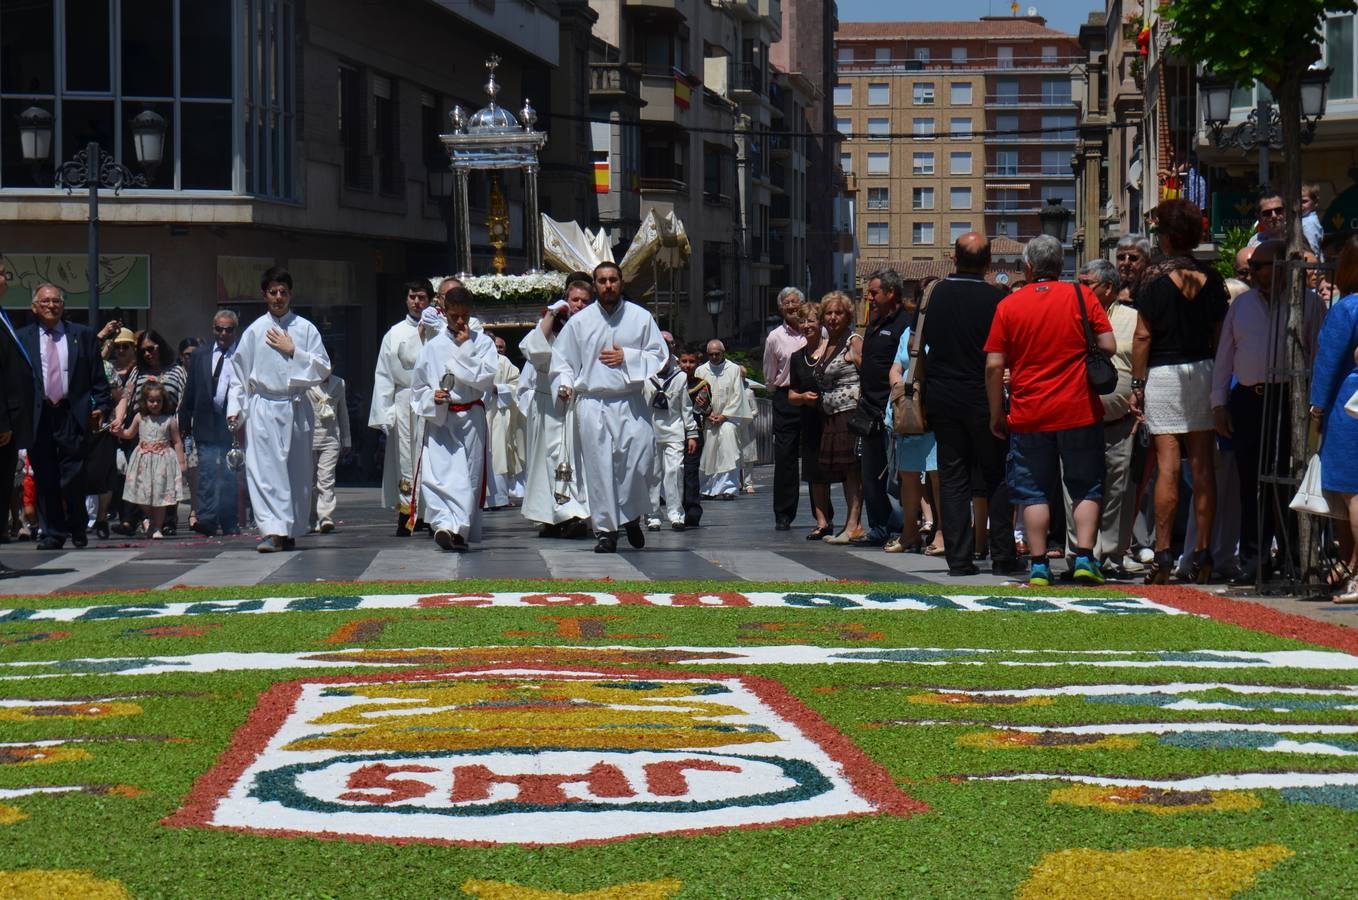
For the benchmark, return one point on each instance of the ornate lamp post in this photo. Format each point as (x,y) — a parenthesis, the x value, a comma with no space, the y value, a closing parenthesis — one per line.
(1262,128)
(1055,219)
(94,168)
(713,300)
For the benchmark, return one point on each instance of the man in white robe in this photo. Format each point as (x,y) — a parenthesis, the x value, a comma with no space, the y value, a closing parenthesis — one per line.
(455,371)
(749,442)
(676,433)
(556,503)
(503,419)
(390,411)
(279,357)
(720,464)
(601,361)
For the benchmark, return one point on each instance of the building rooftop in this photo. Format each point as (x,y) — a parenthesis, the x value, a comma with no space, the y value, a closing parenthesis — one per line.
(1018,27)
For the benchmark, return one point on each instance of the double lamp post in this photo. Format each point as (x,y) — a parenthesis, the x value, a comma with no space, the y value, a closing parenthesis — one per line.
(93,168)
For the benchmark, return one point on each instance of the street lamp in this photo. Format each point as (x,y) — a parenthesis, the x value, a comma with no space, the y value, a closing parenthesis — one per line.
(93,168)
(1262,128)
(441,188)
(1055,219)
(714,299)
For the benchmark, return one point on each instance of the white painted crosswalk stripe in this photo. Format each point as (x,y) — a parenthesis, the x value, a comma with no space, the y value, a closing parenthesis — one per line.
(422,563)
(761,565)
(52,576)
(585,563)
(232,567)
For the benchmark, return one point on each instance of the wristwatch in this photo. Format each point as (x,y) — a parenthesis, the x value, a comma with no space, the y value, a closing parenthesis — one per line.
(1138,384)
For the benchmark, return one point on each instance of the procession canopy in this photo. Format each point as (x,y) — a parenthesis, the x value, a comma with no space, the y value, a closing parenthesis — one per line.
(661,241)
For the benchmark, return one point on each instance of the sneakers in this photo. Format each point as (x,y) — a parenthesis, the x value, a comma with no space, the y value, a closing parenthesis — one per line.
(157,535)
(270,544)
(1040,575)
(652,523)
(327,526)
(1088,571)
(444,538)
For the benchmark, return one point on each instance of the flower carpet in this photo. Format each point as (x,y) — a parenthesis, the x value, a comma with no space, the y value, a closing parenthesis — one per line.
(606,740)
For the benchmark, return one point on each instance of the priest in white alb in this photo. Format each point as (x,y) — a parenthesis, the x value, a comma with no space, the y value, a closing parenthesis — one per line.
(448,391)
(553,494)
(601,361)
(720,463)
(390,412)
(279,357)
(504,424)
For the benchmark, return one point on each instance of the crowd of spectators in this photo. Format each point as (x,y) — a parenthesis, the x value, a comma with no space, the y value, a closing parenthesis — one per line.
(1155,475)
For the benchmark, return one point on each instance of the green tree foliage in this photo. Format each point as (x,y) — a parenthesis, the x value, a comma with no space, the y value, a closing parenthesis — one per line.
(1228,246)
(1253,40)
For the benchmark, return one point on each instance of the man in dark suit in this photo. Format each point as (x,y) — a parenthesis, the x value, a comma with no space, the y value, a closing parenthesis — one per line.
(202,414)
(70,397)
(16,398)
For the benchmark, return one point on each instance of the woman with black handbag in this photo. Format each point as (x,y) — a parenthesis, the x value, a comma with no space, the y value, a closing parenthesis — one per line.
(837,377)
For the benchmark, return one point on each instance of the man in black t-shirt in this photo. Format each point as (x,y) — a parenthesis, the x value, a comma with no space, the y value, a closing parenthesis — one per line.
(955,329)
(880,342)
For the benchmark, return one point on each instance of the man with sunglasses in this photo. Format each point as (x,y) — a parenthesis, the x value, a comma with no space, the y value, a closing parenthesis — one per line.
(280,356)
(1272,218)
(202,414)
(16,396)
(1252,351)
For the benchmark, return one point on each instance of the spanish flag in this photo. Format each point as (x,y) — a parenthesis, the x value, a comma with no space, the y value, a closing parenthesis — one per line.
(601,185)
(683,93)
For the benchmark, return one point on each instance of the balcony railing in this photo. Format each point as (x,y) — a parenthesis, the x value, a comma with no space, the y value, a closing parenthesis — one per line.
(1016,63)
(1034,100)
(662,185)
(749,78)
(1028,172)
(614,78)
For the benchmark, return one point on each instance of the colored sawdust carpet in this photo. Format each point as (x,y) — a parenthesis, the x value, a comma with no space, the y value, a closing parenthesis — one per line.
(607,740)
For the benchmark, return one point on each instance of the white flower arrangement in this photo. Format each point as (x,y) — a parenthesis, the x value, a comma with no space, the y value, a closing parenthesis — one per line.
(541,288)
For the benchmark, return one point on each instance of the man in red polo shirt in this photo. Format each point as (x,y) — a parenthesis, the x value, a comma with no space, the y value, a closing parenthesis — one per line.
(1055,418)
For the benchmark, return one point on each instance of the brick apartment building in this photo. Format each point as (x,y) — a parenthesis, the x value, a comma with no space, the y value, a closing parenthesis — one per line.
(954,127)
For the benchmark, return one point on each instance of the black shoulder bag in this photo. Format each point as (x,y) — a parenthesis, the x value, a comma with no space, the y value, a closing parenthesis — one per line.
(1103,377)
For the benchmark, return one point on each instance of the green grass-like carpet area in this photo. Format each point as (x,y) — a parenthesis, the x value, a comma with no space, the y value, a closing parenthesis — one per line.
(934,730)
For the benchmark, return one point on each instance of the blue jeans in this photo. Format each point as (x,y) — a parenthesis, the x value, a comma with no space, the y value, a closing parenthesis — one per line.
(1039,462)
(216,489)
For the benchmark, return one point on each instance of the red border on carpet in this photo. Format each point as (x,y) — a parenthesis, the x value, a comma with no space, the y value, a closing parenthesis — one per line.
(1248,614)
(865,776)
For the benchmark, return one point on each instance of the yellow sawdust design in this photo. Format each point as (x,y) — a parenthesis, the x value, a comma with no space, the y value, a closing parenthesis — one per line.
(1171,873)
(636,890)
(531,712)
(39,713)
(1160,803)
(1032,740)
(11,814)
(58,884)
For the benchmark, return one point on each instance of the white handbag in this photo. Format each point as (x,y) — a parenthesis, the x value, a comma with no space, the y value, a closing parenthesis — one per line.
(1352,406)
(1313,500)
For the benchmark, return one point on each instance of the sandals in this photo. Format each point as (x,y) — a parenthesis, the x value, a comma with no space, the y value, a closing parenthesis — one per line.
(843,537)
(1200,569)
(821,533)
(1350,595)
(934,550)
(1161,567)
(1339,575)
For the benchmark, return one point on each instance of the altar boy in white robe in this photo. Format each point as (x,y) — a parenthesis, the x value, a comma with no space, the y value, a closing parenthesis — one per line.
(455,371)
(504,422)
(280,356)
(720,465)
(602,360)
(390,411)
(676,435)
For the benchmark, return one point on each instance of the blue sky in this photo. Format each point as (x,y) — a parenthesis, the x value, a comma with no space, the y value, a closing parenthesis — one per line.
(1065,15)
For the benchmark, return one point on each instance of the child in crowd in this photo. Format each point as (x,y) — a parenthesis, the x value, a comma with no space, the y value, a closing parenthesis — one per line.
(329,441)
(676,436)
(700,403)
(155,478)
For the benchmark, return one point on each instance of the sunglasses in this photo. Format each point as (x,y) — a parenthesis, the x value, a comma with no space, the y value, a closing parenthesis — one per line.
(1271,213)
(1133,257)
(223,329)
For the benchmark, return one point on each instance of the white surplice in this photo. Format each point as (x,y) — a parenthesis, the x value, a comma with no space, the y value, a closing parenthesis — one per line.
(721,447)
(552,439)
(610,405)
(390,412)
(504,424)
(674,424)
(269,391)
(453,464)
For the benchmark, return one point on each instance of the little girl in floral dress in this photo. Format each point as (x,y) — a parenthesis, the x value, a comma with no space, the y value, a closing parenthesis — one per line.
(155,471)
